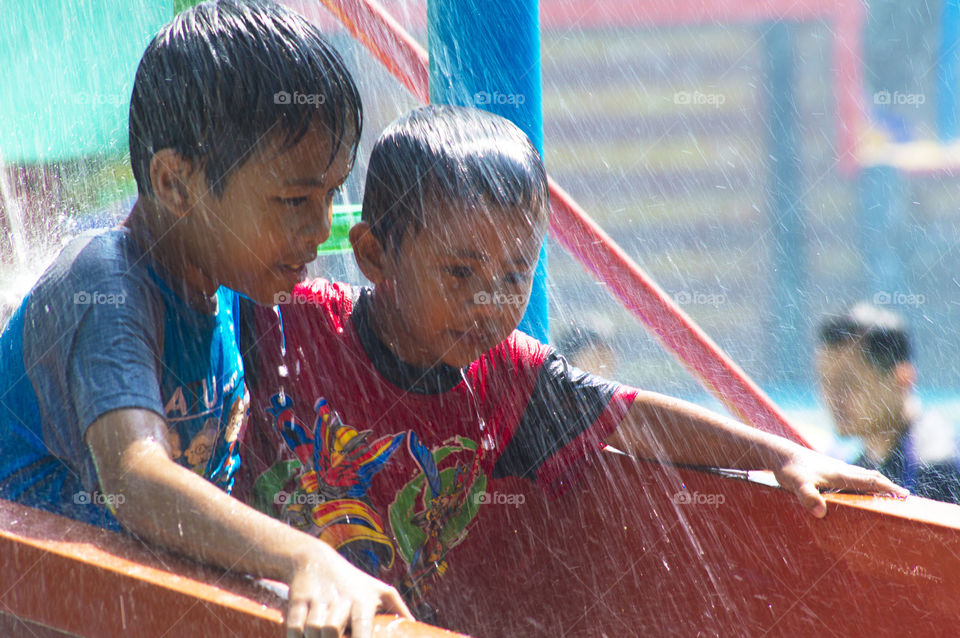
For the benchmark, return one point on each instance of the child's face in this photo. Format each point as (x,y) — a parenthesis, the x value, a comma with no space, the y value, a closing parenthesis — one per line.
(862,399)
(275,210)
(460,285)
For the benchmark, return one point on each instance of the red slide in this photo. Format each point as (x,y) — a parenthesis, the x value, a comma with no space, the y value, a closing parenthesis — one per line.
(640,549)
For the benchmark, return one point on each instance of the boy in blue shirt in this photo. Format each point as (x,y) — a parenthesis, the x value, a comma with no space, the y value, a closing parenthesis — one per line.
(121,384)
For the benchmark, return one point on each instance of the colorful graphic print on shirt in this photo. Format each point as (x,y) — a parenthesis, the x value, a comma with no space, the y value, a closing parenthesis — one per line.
(325,493)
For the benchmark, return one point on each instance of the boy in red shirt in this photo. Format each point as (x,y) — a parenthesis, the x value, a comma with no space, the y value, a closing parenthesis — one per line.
(379,414)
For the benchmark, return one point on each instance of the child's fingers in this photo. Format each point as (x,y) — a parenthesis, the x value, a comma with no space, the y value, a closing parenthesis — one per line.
(392,603)
(361,620)
(335,621)
(811,499)
(296,618)
(867,482)
(316,621)
(878,483)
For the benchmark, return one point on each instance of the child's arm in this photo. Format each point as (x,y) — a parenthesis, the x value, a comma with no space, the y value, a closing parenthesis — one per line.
(167,504)
(667,429)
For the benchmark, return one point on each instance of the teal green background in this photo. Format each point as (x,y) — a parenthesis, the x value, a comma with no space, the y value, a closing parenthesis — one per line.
(68,69)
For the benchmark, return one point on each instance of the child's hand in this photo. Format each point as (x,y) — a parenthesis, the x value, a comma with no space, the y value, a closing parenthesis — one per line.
(805,472)
(328,594)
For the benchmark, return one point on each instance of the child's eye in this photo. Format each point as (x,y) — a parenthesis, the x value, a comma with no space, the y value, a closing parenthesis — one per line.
(515,278)
(460,272)
(293,201)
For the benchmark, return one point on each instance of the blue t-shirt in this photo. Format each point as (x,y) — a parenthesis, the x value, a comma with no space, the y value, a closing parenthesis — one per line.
(102,330)
(924,460)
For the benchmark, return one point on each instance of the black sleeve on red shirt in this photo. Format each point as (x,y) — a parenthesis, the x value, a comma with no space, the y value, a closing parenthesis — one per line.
(564,403)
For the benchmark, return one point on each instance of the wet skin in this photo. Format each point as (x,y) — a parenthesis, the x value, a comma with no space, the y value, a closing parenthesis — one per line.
(456,288)
(258,236)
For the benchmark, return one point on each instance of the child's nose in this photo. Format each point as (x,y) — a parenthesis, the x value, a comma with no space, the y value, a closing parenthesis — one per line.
(319,229)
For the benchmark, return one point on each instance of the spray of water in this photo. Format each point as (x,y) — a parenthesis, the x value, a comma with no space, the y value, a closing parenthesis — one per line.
(11,208)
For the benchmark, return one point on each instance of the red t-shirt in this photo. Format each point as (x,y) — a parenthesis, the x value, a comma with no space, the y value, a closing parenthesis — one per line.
(388,462)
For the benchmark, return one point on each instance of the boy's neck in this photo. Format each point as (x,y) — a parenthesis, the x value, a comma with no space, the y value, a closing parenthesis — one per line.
(152,228)
(385,324)
(880,442)
(436,379)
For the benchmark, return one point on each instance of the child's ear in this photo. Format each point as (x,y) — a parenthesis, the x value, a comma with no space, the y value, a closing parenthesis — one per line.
(170,174)
(905,375)
(369,253)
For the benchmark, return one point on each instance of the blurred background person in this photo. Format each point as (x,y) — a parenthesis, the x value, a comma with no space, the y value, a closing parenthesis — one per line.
(589,348)
(866,377)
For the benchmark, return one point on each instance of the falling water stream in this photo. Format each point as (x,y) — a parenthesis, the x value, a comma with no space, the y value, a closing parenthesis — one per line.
(14,216)
(17,276)
(662,132)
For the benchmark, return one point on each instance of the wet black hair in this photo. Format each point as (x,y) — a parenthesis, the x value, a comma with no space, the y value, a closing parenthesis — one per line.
(881,334)
(449,154)
(224,76)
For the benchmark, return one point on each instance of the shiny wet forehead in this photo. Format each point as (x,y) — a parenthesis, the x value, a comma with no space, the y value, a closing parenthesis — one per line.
(482,233)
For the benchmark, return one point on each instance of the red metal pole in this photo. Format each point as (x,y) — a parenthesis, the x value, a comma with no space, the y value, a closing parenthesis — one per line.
(397,50)
(369,23)
(638,293)
(849,18)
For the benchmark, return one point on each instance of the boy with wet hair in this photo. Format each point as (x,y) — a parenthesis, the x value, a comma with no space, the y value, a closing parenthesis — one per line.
(866,378)
(121,382)
(379,414)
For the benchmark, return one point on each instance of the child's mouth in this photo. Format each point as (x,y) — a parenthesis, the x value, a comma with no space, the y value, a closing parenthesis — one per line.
(295,272)
(472,337)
